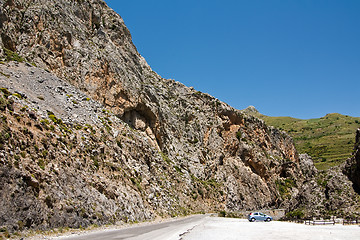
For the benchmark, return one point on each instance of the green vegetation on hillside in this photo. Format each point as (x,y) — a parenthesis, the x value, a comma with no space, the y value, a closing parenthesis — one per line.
(329,140)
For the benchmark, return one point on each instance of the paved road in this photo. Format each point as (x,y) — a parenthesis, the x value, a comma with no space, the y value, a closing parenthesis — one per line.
(214,228)
(161,231)
(204,227)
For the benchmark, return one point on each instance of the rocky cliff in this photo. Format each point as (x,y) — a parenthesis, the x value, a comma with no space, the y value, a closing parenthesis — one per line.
(352,167)
(91,135)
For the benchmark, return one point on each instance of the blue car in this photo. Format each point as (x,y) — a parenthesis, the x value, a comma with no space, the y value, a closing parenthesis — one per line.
(258,216)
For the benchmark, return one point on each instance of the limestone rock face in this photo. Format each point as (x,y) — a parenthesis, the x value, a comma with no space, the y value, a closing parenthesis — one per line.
(92,135)
(307,165)
(68,161)
(352,167)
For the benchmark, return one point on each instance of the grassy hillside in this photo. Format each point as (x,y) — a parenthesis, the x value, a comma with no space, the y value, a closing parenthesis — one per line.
(329,140)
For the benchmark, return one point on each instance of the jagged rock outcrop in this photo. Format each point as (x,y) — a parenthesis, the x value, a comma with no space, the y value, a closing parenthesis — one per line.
(325,193)
(307,166)
(91,135)
(352,167)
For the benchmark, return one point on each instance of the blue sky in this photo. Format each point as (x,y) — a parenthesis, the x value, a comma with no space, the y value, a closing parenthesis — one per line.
(285,57)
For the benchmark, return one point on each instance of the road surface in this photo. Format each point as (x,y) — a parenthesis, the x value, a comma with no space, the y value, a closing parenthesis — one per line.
(205,227)
(235,229)
(170,230)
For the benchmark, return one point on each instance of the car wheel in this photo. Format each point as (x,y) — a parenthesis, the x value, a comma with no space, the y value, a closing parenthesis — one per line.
(268,219)
(252,220)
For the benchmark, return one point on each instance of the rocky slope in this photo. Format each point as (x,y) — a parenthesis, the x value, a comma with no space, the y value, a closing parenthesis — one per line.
(324,192)
(67,161)
(91,135)
(352,167)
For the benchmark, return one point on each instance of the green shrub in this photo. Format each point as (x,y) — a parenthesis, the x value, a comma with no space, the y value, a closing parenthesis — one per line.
(284,187)
(222,213)
(53,118)
(96,163)
(177,169)
(296,214)
(17,95)
(21,225)
(45,153)
(44,121)
(165,158)
(193,141)
(3,104)
(5,92)
(238,135)
(4,74)
(12,56)
(41,163)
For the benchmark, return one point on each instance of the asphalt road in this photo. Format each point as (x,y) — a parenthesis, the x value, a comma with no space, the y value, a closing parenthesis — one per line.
(204,227)
(171,230)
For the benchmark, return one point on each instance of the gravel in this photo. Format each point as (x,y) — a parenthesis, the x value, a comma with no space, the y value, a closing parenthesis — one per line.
(42,90)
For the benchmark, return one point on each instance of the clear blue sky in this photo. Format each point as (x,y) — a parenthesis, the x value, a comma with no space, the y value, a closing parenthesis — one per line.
(298,58)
